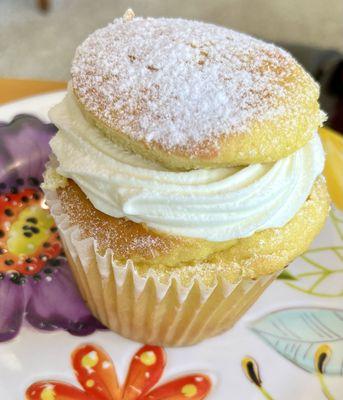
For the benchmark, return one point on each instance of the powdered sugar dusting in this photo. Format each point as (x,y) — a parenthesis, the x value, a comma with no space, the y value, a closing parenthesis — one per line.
(128,15)
(124,237)
(178,83)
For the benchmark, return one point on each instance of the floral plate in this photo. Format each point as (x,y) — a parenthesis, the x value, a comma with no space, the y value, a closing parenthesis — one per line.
(289,345)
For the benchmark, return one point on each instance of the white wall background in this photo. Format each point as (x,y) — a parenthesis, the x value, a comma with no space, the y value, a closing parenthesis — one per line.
(39,45)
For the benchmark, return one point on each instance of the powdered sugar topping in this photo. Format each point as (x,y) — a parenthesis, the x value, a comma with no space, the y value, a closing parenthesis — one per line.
(178,83)
(129,15)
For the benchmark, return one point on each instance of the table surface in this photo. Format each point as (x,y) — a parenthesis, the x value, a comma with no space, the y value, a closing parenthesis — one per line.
(13,89)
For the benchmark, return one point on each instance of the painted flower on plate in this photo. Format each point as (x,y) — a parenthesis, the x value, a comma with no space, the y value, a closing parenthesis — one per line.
(35,282)
(97,376)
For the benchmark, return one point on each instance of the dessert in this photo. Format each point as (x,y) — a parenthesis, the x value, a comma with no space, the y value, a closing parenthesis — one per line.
(186,174)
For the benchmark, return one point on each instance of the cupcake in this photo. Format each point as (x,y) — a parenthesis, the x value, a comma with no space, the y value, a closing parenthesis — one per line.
(185,174)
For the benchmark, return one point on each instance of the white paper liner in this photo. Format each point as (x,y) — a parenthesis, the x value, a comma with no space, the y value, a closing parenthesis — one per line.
(143,308)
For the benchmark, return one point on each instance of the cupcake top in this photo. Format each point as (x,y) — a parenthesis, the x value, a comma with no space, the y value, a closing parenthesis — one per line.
(189,129)
(194,95)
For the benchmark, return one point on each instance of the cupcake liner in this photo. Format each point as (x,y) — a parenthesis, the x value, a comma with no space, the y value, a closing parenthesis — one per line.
(144,309)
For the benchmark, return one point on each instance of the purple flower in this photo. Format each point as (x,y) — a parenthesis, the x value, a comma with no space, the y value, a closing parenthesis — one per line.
(35,281)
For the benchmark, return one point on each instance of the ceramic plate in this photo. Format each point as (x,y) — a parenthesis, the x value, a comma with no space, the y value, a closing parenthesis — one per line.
(289,345)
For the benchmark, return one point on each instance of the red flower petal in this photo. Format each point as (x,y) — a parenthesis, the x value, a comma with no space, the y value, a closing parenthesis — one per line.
(195,387)
(96,373)
(146,368)
(53,390)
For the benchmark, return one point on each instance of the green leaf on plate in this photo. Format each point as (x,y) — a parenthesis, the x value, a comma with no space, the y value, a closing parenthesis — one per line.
(321,272)
(337,221)
(286,276)
(297,333)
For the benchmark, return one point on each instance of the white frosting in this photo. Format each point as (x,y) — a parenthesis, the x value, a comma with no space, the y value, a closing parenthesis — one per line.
(215,204)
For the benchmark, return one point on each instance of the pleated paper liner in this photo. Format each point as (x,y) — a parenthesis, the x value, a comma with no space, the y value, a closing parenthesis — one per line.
(144,309)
